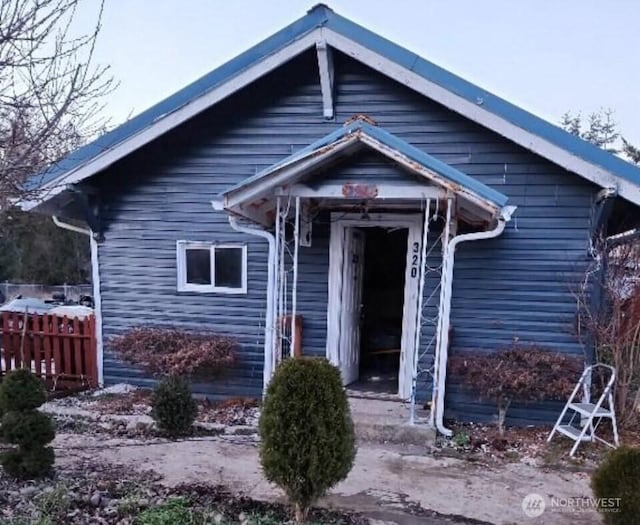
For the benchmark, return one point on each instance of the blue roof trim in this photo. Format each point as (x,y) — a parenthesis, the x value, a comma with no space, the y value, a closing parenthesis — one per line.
(393,142)
(318,16)
(492,103)
(315,18)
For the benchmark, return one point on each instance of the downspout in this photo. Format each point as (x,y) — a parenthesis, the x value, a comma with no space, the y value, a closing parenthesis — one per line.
(442,336)
(95,282)
(71,227)
(269,321)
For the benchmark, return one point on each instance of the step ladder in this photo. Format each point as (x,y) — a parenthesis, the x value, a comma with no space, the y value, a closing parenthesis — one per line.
(586,415)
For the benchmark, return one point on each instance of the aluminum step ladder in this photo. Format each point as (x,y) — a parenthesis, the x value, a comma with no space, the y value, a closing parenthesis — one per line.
(587,414)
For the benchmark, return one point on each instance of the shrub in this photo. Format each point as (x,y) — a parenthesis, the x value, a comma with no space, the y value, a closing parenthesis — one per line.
(21,390)
(171,351)
(173,407)
(28,428)
(521,374)
(307,436)
(619,477)
(21,393)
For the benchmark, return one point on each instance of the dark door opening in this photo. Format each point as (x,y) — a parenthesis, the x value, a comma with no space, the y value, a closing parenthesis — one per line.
(382,309)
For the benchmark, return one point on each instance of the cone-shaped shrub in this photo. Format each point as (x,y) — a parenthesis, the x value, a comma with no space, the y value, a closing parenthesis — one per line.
(21,390)
(616,485)
(306,431)
(21,393)
(173,407)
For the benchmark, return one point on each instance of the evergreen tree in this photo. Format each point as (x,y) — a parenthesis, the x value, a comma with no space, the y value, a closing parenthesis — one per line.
(601,129)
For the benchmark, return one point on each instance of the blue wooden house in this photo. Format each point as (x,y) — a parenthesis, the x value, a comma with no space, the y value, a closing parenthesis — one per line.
(330,193)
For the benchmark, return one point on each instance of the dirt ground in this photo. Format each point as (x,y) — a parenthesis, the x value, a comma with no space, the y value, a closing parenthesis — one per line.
(387,483)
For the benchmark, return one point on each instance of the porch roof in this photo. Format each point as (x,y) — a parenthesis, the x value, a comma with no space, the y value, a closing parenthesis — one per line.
(250,198)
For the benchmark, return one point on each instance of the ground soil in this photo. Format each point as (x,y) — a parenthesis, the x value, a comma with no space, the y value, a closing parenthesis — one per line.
(478,477)
(388,483)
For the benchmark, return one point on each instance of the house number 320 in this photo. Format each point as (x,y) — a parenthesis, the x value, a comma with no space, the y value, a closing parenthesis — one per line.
(414,259)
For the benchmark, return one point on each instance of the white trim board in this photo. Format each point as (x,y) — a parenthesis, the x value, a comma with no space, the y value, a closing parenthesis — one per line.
(97,307)
(175,118)
(339,222)
(181,265)
(475,112)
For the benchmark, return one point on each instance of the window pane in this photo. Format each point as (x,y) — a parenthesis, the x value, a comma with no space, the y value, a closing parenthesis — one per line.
(198,266)
(228,267)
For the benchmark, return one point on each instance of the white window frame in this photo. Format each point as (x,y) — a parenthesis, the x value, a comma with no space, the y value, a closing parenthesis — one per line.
(181,257)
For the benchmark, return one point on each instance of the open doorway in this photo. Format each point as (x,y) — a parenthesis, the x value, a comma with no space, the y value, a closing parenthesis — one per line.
(372,307)
(383,290)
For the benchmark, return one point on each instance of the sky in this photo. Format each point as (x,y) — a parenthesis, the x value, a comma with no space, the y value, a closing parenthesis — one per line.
(547,56)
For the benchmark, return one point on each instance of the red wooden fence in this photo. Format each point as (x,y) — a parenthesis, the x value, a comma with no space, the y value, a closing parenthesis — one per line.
(60,350)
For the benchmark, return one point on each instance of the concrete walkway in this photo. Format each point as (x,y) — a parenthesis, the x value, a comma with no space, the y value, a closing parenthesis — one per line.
(386,482)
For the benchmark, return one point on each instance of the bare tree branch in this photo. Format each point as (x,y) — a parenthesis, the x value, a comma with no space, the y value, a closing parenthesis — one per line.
(50,91)
(612,324)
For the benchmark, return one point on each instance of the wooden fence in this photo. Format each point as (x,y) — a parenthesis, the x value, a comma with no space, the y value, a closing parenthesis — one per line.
(60,350)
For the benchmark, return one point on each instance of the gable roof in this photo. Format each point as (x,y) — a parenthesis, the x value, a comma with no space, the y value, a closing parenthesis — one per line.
(322,26)
(245,196)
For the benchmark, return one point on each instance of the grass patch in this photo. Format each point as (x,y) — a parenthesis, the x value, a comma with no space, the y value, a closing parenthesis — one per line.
(173,511)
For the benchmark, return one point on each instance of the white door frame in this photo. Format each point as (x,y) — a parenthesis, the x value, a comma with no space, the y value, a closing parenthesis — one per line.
(413,223)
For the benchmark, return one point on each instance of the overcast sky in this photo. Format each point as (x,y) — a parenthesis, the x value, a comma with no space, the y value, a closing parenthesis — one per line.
(547,56)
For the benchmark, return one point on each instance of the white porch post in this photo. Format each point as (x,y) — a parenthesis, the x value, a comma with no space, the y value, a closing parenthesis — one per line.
(418,324)
(278,288)
(294,287)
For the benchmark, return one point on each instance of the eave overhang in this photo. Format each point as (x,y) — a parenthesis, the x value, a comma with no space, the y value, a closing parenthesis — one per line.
(324,29)
(253,199)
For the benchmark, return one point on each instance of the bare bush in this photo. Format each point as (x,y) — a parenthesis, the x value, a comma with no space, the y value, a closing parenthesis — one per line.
(50,93)
(608,318)
(525,374)
(175,352)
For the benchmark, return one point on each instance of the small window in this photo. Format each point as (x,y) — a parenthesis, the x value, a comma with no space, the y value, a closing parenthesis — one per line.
(205,267)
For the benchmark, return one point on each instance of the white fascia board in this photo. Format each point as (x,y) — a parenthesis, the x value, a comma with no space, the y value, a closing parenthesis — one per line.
(430,175)
(174,119)
(383,191)
(325,68)
(287,174)
(477,113)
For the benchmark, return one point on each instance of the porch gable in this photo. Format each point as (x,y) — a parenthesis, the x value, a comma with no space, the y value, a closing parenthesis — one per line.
(253,198)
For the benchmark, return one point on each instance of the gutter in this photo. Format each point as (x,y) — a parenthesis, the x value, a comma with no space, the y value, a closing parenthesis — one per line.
(623,238)
(444,317)
(271,276)
(95,281)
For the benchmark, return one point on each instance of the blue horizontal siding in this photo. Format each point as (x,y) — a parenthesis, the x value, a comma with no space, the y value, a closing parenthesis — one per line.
(514,286)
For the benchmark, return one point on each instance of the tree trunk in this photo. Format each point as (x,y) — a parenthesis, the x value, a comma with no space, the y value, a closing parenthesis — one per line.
(503,406)
(301,514)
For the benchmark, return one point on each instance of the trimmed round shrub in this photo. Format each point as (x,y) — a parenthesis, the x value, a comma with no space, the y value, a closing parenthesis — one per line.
(172,406)
(30,463)
(21,393)
(28,428)
(307,436)
(618,476)
(21,390)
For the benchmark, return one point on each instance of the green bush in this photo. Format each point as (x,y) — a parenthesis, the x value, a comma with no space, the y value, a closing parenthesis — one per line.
(27,429)
(307,436)
(21,390)
(21,393)
(173,407)
(619,477)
